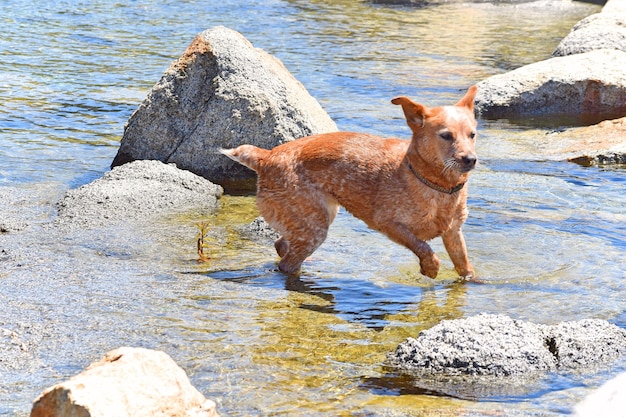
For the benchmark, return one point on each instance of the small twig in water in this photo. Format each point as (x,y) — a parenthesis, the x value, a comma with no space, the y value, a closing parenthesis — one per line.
(202,243)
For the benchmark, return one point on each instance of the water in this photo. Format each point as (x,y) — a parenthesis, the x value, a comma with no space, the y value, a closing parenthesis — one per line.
(547,236)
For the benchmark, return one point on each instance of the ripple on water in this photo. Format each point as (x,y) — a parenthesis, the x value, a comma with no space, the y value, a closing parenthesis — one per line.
(547,237)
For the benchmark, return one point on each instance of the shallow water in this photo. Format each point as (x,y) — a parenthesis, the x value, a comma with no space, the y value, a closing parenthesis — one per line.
(546,236)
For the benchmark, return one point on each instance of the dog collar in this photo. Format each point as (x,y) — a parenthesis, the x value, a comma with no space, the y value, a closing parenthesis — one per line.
(434,186)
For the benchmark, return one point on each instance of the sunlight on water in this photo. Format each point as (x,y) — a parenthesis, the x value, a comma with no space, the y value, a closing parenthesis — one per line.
(546,236)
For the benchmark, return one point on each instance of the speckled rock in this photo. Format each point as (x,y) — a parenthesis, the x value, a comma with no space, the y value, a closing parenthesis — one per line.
(222,92)
(135,192)
(497,345)
(259,230)
(481,345)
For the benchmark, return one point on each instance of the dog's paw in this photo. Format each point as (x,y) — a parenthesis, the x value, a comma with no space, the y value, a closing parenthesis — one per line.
(467,273)
(429,266)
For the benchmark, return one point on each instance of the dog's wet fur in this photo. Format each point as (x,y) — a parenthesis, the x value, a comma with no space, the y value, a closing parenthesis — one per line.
(412,191)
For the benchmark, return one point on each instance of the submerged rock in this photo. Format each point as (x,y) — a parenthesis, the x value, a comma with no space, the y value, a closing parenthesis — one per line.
(610,157)
(126,382)
(137,191)
(592,83)
(259,230)
(222,92)
(496,346)
(599,144)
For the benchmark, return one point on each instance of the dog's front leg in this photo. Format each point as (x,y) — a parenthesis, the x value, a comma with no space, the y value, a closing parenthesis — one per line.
(429,263)
(455,246)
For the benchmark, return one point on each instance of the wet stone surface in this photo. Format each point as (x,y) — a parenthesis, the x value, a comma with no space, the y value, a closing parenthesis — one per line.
(497,345)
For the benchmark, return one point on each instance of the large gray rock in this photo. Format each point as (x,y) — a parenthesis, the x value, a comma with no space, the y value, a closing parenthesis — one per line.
(598,31)
(137,191)
(592,83)
(496,345)
(222,92)
(126,382)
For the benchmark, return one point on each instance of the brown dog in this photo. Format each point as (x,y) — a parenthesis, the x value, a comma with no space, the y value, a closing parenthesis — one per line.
(412,191)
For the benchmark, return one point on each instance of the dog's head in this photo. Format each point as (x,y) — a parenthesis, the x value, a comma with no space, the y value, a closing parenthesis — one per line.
(444,136)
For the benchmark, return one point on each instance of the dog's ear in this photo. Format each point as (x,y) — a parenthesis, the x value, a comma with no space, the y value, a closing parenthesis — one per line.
(415,113)
(468,100)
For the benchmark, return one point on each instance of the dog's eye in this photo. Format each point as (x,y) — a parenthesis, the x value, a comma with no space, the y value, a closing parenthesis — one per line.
(446,136)
(472,135)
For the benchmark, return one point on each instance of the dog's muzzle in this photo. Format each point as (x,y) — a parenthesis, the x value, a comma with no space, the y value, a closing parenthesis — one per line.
(468,162)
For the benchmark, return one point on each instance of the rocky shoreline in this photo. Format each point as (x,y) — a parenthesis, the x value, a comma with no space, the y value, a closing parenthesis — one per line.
(139,189)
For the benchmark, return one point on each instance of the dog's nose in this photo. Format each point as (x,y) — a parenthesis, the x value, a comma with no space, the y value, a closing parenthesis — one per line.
(469,160)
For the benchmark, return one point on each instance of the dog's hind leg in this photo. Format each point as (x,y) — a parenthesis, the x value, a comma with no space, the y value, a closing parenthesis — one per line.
(303,226)
(303,237)
(282,246)
(300,248)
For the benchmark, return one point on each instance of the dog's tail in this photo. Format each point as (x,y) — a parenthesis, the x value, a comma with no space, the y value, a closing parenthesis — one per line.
(247,155)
